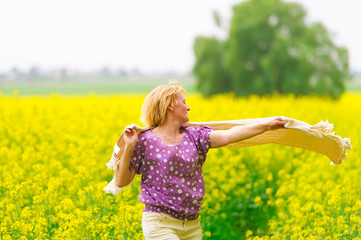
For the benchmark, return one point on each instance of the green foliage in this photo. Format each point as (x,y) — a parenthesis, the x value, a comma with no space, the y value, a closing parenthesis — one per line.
(271,49)
(212,78)
(231,217)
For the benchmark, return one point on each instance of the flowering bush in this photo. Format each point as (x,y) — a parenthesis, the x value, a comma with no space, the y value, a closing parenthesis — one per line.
(53,152)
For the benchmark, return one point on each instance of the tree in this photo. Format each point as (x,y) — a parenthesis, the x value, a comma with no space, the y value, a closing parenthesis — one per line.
(209,67)
(271,49)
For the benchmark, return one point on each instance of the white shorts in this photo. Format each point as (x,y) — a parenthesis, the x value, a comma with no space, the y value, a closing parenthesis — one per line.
(162,226)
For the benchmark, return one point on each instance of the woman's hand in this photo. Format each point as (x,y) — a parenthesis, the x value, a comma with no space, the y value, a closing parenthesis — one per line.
(130,137)
(276,123)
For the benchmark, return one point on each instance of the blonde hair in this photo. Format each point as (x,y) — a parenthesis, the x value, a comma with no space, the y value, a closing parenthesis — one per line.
(155,105)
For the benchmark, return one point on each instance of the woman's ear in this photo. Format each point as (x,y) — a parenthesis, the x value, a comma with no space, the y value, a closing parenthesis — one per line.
(170,108)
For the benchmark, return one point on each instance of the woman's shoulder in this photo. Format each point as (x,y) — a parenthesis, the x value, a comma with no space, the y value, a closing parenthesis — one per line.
(189,129)
(197,130)
(145,134)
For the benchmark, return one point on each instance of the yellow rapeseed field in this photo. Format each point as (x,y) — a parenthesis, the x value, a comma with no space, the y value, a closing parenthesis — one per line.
(53,152)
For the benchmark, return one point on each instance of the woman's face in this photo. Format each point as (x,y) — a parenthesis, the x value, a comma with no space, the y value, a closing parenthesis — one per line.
(180,108)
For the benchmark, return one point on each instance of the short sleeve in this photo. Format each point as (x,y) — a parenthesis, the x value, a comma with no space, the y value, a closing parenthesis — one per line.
(202,140)
(137,158)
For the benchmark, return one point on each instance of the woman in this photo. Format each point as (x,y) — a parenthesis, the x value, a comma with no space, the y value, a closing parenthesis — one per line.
(170,157)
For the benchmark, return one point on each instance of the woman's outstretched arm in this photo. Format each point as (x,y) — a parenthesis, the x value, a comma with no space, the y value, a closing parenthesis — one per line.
(124,174)
(220,138)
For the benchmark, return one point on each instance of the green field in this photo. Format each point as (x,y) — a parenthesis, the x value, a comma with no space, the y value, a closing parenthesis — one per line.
(106,86)
(98,86)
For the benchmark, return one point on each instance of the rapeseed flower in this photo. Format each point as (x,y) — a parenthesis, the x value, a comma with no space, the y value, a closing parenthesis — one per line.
(53,171)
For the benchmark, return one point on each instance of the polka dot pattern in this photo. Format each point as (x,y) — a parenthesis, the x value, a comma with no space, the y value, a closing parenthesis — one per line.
(172,178)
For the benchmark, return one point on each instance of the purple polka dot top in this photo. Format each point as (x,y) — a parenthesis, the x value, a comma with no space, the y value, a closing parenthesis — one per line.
(172,179)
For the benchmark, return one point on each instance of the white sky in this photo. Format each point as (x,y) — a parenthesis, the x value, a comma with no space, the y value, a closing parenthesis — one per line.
(153,36)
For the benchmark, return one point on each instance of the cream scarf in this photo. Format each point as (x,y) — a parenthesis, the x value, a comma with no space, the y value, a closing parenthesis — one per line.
(317,138)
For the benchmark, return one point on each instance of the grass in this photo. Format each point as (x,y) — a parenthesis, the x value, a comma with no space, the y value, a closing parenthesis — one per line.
(105,86)
(97,86)
(353,87)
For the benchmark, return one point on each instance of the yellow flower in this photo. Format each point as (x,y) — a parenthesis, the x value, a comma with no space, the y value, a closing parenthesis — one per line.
(269,177)
(53,169)
(280,202)
(249,233)
(258,201)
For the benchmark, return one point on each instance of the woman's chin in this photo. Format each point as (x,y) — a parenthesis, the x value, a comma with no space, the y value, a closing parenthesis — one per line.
(186,120)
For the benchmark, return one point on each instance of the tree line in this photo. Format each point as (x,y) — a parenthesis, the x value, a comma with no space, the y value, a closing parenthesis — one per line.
(270,49)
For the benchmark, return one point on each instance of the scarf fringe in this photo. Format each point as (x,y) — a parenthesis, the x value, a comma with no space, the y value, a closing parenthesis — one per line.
(322,129)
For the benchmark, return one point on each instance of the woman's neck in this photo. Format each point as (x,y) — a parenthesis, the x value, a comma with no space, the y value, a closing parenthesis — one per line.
(171,130)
